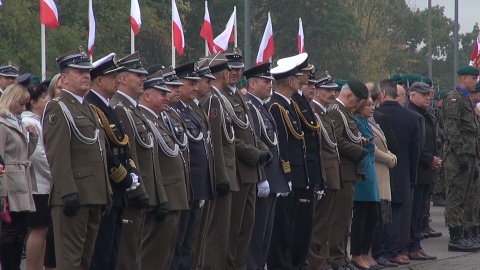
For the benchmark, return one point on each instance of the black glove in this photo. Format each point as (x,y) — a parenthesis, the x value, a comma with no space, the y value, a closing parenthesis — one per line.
(222,188)
(462,160)
(162,212)
(126,182)
(142,200)
(269,158)
(70,204)
(262,159)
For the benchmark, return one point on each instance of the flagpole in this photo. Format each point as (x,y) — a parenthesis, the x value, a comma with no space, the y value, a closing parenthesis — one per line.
(44,60)
(269,19)
(173,45)
(235,27)
(300,23)
(132,41)
(206,43)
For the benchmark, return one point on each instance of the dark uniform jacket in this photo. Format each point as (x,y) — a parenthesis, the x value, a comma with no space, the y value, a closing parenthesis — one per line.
(312,141)
(224,149)
(266,130)
(292,146)
(201,163)
(140,136)
(407,132)
(329,154)
(76,167)
(350,151)
(247,145)
(118,156)
(172,168)
(425,174)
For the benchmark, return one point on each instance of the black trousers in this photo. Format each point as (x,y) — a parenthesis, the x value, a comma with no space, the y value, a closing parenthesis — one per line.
(292,230)
(420,198)
(105,254)
(391,240)
(262,232)
(365,219)
(12,238)
(189,224)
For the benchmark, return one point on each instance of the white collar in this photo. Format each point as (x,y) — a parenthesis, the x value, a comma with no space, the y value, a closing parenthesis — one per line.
(106,101)
(184,104)
(233,88)
(196,101)
(216,89)
(132,100)
(287,99)
(341,102)
(77,97)
(300,92)
(261,101)
(148,109)
(321,106)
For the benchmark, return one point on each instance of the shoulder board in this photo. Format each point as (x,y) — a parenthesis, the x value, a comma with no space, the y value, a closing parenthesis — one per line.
(335,107)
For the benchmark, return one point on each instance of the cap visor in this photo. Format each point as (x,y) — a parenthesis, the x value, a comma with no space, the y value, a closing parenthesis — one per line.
(267,77)
(236,64)
(176,82)
(140,70)
(81,65)
(191,78)
(210,76)
(9,75)
(162,88)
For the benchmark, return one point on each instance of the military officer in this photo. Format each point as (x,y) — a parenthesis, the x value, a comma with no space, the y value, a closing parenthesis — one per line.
(8,74)
(161,238)
(282,254)
(438,196)
(319,250)
(252,154)
(273,179)
(151,192)
(461,153)
(123,176)
(349,143)
(75,149)
(198,134)
(223,141)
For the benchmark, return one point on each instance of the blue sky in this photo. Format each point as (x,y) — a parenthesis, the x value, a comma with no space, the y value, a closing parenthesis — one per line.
(468,11)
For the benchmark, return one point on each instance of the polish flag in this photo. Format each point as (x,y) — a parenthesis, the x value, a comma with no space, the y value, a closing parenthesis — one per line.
(49,14)
(206,32)
(267,48)
(178,38)
(475,58)
(221,42)
(91,28)
(300,37)
(135,17)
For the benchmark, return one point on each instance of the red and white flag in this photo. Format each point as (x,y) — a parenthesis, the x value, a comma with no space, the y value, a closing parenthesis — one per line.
(135,17)
(475,58)
(206,32)
(300,37)
(49,14)
(221,42)
(177,28)
(267,48)
(91,28)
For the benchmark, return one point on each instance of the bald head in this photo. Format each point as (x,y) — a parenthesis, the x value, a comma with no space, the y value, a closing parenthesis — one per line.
(402,97)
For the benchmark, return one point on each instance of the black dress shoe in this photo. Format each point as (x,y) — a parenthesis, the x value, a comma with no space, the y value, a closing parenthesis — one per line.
(384,262)
(432,233)
(376,267)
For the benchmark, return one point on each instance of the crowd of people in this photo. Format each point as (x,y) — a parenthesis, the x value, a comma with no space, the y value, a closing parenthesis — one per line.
(111,165)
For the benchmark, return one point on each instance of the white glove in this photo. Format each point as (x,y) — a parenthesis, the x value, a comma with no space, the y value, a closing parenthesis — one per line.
(201,203)
(319,195)
(285,194)
(263,189)
(135,182)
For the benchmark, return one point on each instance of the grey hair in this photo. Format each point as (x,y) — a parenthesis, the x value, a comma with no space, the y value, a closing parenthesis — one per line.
(375,92)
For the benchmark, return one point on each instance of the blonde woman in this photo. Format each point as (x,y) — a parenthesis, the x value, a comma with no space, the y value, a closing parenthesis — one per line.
(55,87)
(17,143)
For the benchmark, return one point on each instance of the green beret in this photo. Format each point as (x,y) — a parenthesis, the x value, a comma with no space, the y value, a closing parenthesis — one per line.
(35,79)
(340,84)
(409,79)
(358,88)
(242,82)
(440,95)
(467,70)
(397,79)
(427,81)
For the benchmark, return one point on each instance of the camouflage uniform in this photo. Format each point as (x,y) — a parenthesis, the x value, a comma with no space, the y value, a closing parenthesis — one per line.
(461,132)
(439,188)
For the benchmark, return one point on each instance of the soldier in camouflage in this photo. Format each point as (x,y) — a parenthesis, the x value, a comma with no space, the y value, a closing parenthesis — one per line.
(461,132)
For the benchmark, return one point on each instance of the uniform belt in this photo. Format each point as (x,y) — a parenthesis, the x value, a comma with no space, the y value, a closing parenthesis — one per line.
(16,162)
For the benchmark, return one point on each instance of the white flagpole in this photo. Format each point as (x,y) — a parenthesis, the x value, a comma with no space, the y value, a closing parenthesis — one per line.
(270,59)
(235,26)
(206,43)
(44,49)
(173,46)
(300,24)
(132,40)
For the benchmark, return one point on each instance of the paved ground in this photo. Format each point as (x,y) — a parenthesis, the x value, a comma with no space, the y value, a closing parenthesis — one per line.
(437,247)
